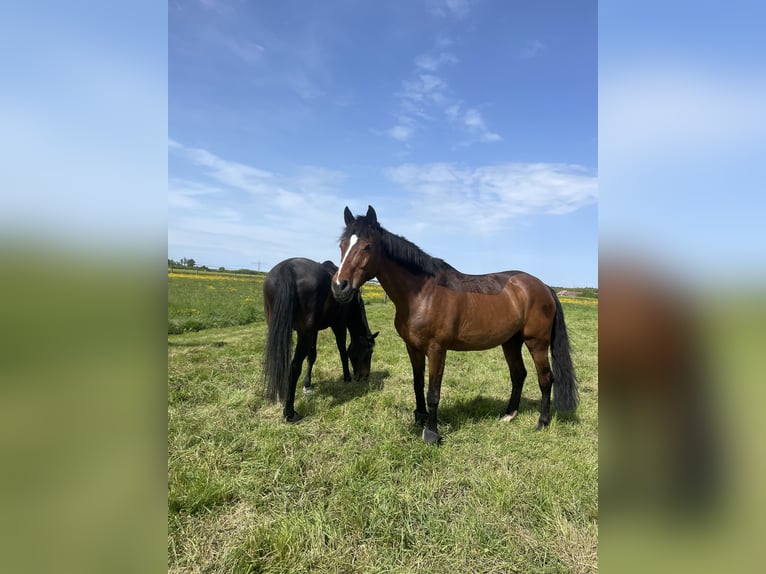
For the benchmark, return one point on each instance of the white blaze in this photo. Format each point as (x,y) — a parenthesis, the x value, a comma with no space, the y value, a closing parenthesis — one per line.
(351,242)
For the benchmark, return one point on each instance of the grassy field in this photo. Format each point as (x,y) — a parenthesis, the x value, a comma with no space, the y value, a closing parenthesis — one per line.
(352,487)
(199,300)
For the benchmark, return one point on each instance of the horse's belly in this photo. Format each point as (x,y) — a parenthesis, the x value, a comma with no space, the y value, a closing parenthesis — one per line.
(474,323)
(479,341)
(475,331)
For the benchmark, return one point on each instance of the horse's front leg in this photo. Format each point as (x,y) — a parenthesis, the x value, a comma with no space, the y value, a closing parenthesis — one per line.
(418,361)
(436,357)
(340,341)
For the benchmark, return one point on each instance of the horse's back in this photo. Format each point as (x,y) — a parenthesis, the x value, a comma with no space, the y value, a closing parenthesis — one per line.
(537,295)
(488,310)
(305,280)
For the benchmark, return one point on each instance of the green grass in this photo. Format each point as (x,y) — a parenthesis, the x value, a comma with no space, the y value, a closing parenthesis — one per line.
(352,487)
(202,300)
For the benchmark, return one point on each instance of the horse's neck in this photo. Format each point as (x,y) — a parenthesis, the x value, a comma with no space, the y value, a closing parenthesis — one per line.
(399,282)
(357,320)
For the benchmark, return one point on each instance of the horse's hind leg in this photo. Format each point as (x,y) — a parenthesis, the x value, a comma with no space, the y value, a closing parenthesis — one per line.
(312,357)
(539,350)
(302,349)
(512,352)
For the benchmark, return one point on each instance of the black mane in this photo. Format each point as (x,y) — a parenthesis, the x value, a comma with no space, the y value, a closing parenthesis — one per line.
(412,257)
(398,248)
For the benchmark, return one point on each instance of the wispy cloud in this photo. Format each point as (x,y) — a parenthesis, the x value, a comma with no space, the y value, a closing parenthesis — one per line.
(531,49)
(432,61)
(450,8)
(401,132)
(230,207)
(426,98)
(230,173)
(474,122)
(188,194)
(296,63)
(246,50)
(450,195)
(421,100)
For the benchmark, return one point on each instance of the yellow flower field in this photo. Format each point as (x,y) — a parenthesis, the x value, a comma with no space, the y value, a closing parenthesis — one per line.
(215,276)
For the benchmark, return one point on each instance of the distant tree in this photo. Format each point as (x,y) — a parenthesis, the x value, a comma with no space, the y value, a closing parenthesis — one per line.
(190,263)
(221,269)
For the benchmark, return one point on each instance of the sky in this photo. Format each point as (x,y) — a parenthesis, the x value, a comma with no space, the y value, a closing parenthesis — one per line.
(469,125)
(682,138)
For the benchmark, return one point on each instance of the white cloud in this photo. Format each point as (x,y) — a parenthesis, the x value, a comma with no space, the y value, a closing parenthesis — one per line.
(427,98)
(230,173)
(425,86)
(184,194)
(476,126)
(240,213)
(531,49)
(401,133)
(491,195)
(455,8)
(431,62)
(452,112)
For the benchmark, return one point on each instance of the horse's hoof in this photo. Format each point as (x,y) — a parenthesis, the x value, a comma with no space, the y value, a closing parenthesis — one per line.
(308,390)
(509,417)
(294,418)
(431,437)
(541,425)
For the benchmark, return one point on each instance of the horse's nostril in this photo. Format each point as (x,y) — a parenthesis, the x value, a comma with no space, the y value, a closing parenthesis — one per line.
(343,285)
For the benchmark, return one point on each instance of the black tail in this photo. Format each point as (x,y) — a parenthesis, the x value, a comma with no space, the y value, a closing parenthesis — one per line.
(279,343)
(565,396)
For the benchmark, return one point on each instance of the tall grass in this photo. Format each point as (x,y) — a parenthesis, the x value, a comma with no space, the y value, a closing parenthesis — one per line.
(352,488)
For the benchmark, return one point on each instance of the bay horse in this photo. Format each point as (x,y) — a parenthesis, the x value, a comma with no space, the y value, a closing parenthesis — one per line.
(297,296)
(439,309)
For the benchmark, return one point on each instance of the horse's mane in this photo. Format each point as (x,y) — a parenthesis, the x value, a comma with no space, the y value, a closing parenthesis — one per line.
(398,248)
(410,255)
(413,258)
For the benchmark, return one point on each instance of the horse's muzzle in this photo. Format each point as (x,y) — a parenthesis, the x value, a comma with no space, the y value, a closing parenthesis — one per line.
(343,291)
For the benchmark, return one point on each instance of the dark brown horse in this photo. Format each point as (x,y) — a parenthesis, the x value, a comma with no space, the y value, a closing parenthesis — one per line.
(439,309)
(296,296)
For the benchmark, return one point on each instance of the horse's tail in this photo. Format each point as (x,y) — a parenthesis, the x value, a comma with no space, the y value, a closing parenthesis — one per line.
(279,342)
(565,396)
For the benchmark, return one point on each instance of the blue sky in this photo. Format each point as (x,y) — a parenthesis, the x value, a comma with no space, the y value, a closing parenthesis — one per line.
(470,126)
(682,137)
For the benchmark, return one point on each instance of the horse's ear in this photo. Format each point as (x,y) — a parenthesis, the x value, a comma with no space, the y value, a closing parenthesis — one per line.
(371,215)
(372,337)
(348,216)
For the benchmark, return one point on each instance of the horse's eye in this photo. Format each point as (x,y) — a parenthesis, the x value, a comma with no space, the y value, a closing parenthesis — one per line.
(366,247)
